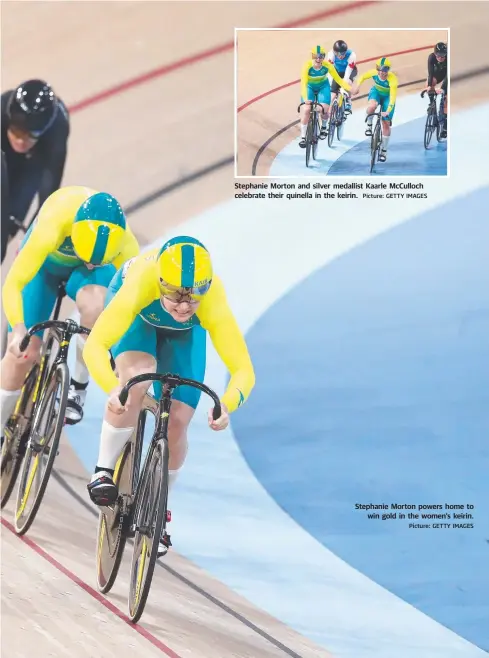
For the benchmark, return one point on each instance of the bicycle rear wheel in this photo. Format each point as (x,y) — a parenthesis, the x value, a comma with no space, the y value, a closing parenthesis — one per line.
(16,437)
(332,122)
(113,525)
(44,437)
(150,522)
(429,128)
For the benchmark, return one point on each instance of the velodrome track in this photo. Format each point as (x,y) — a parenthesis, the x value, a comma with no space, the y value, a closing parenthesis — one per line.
(228,587)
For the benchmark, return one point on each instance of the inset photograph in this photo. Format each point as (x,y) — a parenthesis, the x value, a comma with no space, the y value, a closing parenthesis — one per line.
(334,102)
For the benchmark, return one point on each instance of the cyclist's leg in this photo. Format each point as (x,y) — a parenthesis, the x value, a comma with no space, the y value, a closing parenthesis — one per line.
(306,113)
(386,128)
(38,299)
(445,109)
(324,97)
(183,354)
(373,101)
(88,289)
(134,354)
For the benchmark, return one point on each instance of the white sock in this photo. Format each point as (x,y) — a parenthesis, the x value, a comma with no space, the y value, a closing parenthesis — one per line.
(385,141)
(370,118)
(303,130)
(325,123)
(8,400)
(112,442)
(80,373)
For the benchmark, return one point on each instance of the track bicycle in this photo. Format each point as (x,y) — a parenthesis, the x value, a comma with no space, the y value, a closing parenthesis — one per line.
(435,116)
(313,133)
(337,117)
(376,139)
(140,512)
(33,432)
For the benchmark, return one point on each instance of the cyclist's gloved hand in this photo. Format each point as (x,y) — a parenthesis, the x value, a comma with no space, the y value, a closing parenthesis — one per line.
(222,422)
(114,404)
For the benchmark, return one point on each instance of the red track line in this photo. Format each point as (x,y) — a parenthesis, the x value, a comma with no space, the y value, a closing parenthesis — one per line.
(92,592)
(361,61)
(206,54)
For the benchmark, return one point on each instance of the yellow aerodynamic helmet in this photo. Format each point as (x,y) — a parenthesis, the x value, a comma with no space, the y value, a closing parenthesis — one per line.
(98,229)
(318,51)
(383,64)
(184,263)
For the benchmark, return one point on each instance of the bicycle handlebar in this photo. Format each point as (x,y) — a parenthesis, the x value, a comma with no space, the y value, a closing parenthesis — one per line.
(67,325)
(430,92)
(378,112)
(312,104)
(173,381)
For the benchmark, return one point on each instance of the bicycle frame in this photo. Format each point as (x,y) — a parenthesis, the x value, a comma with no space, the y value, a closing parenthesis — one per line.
(59,331)
(161,411)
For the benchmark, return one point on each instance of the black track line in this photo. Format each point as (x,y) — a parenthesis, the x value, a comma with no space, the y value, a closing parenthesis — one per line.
(460,77)
(217,602)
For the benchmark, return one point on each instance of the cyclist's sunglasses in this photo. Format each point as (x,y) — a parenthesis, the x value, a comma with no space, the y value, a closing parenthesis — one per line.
(177,294)
(318,55)
(438,56)
(384,69)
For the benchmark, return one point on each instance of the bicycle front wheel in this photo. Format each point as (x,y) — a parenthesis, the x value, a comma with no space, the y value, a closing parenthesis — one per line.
(375,145)
(309,138)
(429,129)
(315,136)
(44,437)
(150,522)
(15,437)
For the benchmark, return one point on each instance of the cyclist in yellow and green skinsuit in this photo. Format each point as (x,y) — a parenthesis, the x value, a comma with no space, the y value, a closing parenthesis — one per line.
(383,92)
(80,237)
(314,77)
(159,309)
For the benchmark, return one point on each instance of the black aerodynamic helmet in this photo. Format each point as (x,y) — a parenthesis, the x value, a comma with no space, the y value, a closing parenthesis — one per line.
(441,49)
(340,47)
(32,107)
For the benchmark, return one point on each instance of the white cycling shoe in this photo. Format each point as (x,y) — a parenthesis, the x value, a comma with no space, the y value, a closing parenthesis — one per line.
(75,404)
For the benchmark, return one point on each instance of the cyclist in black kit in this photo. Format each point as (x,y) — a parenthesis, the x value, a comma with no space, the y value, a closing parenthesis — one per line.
(35,128)
(438,75)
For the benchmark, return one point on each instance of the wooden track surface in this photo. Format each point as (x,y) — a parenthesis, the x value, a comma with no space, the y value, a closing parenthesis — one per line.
(150,136)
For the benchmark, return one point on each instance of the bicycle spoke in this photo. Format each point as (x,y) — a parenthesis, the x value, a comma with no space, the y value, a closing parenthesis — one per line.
(41,452)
